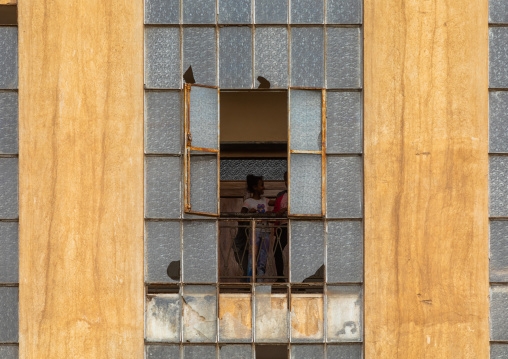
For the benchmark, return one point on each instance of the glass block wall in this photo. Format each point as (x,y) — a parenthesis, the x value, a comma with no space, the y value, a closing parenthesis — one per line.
(498,175)
(9,282)
(229,43)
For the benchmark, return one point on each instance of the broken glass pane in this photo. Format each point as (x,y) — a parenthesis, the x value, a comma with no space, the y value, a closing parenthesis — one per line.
(8,122)
(498,186)
(308,351)
(163,315)
(235,57)
(306,120)
(9,352)
(235,11)
(272,55)
(344,313)
(163,252)
(345,252)
(204,117)
(305,184)
(271,11)
(200,52)
(307,57)
(9,253)
(162,57)
(344,11)
(271,315)
(307,317)
(498,122)
(199,313)
(9,207)
(162,11)
(9,314)
(498,313)
(9,57)
(349,351)
(163,127)
(235,317)
(344,187)
(203,183)
(199,352)
(200,251)
(307,251)
(235,352)
(498,57)
(343,122)
(344,67)
(163,187)
(307,11)
(199,12)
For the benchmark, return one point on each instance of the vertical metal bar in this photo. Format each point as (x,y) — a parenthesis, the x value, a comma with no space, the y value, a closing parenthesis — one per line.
(218,153)
(289,151)
(323,154)
(253,250)
(186,150)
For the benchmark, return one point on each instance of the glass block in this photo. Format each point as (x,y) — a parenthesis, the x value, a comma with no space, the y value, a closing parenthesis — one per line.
(163,316)
(307,251)
(343,69)
(200,52)
(9,315)
(9,188)
(235,11)
(9,352)
(271,11)
(204,117)
(200,251)
(162,11)
(305,184)
(498,11)
(163,252)
(163,122)
(307,318)
(203,183)
(163,192)
(271,315)
(199,314)
(498,122)
(235,317)
(199,352)
(344,187)
(344,252)
(306,120)
(9,57)
(498,313)
(349,351)
(344,11)
(235,351)
(498,186)
(307,351)
(498,57)
(8,122)
(307,11)
(343,122)
(271,58)
(498,264)
(162,57)
(498,351)
(235,56)
(344,313)
(9,252)
(307,57)
(199,12)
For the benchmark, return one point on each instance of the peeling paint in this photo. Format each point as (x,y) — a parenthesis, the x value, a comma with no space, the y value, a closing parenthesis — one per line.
(199,314)
(344,314)
(271,317)
(235,317)
(307,316)
(163,314)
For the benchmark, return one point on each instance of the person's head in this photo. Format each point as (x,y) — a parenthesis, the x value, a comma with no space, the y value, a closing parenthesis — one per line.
(255,184)
(286,178)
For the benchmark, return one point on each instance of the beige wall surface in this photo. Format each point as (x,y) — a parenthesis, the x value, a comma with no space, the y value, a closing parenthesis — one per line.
(426,169)
(81,179)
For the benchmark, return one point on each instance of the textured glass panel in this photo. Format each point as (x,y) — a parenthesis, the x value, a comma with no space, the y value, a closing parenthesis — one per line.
(203,184)
(272,55)
(498,57)
(345,252)
(200,251)
(344,12)
(204,117)
(271,315)
(498,313)
(162,351)
(307,11)
(307,351)
(271,11)
(199,12)
(344,313)
(235,11)
(163,128)
(498,264)
(9,252)
(162,57)
(235,317)
(8,314)
(163,315)
(344,187)
(9,188)
(307,57)
(9,352)
(305,184)
(163,252)
(343,122)
(498,351)
(307,317)
(498,186)
(163,187)
(352,351)
(199,314)
(232,169)
(498,11)
(498,122)
(235,351)
(305,120)
(235,57)
(9,57)
(8,122)
(307,251)
(200,352)
(162,11)
(199,51)
(343,69)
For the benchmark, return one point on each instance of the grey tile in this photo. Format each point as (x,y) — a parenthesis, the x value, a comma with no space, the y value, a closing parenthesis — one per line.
(307,57)
(498,57)
(349,351)
(498,186)
(199,12)
(498,351)
(163,122)
(9,205)
(200,52)
(9,252)
(235,351)
(307,12)
(162,57)
(9,326)
(271,55)
(343,122)
(498,122)
(200,251)
(345,251)
(498,11)
(344,11)
(307,251)
(200,352)
(307,351)
(162,11)
(235,11)
(8,57)
(8,122)
(344,187)
(271,11)
(498,313)
(235,54)
(9,352)
(163,257)
(343,63)
(163,187)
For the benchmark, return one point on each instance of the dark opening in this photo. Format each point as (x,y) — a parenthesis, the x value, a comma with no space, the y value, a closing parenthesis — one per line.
(8,15)
(272,352)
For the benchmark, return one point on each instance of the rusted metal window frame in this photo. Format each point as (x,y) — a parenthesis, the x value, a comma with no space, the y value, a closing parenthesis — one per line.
(189,148)
(322,152)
